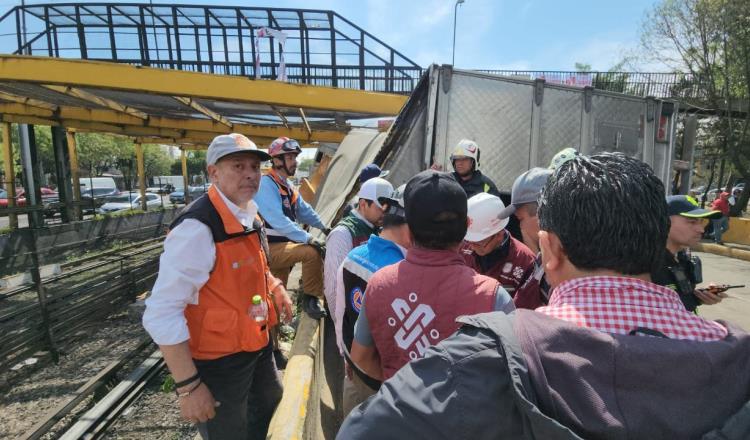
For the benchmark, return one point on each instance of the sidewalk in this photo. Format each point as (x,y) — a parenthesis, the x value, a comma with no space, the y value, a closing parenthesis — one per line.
(731,250)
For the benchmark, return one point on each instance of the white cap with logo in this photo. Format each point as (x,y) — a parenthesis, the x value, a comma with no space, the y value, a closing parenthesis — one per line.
(227,144)
(374,189)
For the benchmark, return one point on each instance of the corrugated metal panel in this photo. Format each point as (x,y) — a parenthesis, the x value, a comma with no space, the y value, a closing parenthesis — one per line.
(561,123)
(496,114)
(616,125)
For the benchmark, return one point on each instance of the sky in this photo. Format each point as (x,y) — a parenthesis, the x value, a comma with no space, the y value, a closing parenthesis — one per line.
(491,34)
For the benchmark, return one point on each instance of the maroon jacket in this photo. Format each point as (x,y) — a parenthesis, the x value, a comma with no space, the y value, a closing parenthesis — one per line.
(511,263)
(413,304)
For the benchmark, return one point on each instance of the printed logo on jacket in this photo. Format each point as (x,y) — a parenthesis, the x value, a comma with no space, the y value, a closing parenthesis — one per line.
(412,321)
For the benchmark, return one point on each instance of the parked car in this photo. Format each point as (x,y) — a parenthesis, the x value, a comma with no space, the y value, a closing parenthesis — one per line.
(48,196)
(179,195)
(129,200)
(93,199)
(20,199)
(164,188)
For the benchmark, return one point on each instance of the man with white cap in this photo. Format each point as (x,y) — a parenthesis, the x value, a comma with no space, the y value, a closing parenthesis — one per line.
(352,230)
(354,273)
(212,305)
(488,247)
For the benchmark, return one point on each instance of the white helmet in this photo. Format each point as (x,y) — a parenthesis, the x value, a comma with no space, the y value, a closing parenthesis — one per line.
(484,217)
(466,148)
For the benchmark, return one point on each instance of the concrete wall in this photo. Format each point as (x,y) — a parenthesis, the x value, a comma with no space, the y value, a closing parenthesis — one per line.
(56,243)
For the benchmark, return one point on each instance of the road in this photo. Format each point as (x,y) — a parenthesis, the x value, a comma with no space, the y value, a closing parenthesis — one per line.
(736,308)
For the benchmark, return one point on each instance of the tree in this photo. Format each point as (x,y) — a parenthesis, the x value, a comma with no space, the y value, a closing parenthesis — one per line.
(306,165)
(196,164)
(582,67)
(710,39)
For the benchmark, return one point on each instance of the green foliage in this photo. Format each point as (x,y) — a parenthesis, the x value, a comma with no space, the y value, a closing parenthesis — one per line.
(306,164)
(196,164)
(582,67)
(168,385)
(710,39)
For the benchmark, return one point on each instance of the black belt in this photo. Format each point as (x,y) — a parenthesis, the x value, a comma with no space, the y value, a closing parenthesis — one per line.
(374,384)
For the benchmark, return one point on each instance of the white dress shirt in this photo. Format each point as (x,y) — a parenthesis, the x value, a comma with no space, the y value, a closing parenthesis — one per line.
(338,244)
(184,267)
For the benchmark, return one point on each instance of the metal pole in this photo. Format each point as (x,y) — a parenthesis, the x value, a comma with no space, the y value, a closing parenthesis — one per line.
(455,15)
(73,155)
(28,159)
(10,174)
(41,293)
(141,175)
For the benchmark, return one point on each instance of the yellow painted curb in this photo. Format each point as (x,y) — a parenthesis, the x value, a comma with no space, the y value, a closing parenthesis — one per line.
(724,251)
(288,420)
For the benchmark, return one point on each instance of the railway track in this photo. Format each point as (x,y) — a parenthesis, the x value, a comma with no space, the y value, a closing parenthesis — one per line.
(90,290)
(93,386)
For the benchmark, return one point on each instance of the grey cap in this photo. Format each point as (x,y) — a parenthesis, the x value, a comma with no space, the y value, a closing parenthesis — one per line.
(526,189)
(226,144)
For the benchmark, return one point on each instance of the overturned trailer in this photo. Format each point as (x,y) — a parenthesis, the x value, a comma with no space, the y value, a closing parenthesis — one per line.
(521,123)
(518,123)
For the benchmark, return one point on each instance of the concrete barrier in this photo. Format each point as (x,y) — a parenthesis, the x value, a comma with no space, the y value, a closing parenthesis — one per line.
(290,421)
(738,232)
(725,251)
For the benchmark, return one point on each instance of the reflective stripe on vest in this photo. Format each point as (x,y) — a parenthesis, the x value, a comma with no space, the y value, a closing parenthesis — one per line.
(288,205)
(219,324)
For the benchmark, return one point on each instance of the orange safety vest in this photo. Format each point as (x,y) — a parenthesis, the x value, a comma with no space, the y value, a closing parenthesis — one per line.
(219,324)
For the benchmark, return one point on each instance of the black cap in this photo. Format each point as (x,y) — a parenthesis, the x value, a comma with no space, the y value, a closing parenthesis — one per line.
(687,206)
(431,193)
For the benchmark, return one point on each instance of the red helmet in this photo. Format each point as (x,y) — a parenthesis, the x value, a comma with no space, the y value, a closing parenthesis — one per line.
(284,145)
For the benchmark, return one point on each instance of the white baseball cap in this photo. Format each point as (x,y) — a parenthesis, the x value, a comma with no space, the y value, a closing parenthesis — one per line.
(227,144)
(374,189)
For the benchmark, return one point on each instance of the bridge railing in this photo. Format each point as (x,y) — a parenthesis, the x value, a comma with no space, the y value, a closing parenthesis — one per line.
(317,46)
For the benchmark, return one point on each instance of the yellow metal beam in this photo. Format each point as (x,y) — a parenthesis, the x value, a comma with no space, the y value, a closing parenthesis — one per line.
(98,100)
(304,120)
(73,154)
(10,174)
(106,116)
(28,101)
(200,108)
(93,74)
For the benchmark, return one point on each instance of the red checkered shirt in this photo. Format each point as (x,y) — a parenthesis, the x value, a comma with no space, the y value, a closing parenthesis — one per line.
(620,304)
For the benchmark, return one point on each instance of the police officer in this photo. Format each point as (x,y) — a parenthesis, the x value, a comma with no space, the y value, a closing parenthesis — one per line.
(206,310)
(679,270)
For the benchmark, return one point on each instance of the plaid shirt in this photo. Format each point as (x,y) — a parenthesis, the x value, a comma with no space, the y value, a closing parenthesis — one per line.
(620,304)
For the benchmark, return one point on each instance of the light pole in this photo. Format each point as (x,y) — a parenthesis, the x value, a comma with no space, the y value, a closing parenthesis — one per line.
(455,13)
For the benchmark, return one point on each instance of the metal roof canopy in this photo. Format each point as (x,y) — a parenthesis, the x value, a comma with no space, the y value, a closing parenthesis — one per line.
(171,106)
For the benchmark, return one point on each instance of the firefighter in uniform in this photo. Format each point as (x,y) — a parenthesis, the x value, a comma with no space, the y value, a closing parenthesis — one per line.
(213,301)
(360,264)
(679,270)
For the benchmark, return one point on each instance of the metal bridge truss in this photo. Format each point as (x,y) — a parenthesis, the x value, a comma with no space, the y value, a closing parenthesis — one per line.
(320,48)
